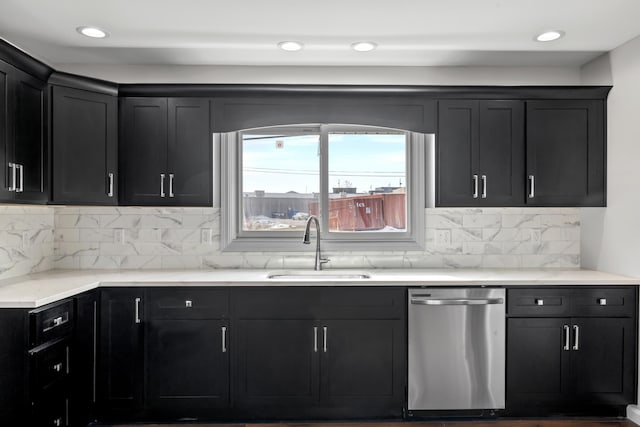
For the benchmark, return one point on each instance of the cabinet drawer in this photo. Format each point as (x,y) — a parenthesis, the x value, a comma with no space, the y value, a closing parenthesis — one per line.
(538,302)
(51,408)
(51,322)
(187,303)
(607,302)
(49,364)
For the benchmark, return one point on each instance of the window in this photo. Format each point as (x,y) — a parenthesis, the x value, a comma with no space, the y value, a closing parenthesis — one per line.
(365,184)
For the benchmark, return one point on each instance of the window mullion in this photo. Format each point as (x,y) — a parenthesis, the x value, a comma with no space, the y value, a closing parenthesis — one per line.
(324,179)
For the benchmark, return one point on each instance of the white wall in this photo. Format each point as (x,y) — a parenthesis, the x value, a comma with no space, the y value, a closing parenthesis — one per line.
(328,75)
(611,235)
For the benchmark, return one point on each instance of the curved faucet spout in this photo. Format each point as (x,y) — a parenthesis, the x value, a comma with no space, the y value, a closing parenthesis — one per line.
(307,240)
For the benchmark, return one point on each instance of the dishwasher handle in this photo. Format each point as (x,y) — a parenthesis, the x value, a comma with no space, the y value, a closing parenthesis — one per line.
(457,301)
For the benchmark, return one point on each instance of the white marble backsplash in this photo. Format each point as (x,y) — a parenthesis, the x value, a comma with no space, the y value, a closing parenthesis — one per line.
(189,238)
(26,240)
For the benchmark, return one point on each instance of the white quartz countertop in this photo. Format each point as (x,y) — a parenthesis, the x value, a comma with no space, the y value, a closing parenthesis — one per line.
(43,288)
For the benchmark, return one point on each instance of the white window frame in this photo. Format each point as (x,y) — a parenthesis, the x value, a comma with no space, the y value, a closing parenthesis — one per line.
(234,239)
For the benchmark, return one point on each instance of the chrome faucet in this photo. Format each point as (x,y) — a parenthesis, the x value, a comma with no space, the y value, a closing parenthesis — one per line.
(307,240)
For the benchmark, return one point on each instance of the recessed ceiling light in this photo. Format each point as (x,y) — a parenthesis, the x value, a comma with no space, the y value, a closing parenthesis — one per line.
(290,46)
(93,32)
(363,46)
(549,36)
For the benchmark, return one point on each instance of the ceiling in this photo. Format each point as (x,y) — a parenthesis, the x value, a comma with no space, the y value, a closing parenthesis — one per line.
(246,32)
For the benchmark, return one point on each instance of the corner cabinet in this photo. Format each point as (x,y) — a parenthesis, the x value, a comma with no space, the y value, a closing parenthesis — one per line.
(571,351)
(23,142)
(566,153)
(480,152)
(84,140)
(165,152)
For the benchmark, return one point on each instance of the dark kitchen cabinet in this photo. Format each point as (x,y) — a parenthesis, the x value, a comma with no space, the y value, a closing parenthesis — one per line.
(582,363)
(480,152)
(187,353)
(278,367)
(320,353)
(166,152)
(84,147)
(566,155)
(23,145)
(120,373)
(84,374)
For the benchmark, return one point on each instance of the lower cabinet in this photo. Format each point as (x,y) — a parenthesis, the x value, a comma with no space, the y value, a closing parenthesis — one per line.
(336,354)
(572,365)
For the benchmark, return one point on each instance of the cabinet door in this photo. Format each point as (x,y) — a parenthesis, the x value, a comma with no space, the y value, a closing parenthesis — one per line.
(566,153)
(604,360)
(6,149)
(538,364)
(362,367)
(143,152)
(30,148)
(457,153)
(187,367)
(277,363)
(121,353)
(190,152)
(84,362)
(85,150)
(501,153)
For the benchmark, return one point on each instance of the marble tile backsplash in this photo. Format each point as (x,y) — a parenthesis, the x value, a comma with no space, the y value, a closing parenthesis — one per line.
(26,240)
(189,238)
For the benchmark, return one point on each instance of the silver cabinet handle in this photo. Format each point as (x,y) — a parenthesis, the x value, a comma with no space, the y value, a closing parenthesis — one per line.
(324,342)
(532,186)
(315,339)
(110,190)
(457,301)
(484,186)
(20,189)
(576,343)
(539,301)
(57,321)
(57,367)
(138,310)
(188,303)
(224,339)
(162,194)
(171,185)
(602,301)
(12,166)
(95,348)
(57,422)
(566,337)
(475,186)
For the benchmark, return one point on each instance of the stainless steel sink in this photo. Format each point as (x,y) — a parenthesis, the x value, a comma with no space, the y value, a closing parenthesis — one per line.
(318,275)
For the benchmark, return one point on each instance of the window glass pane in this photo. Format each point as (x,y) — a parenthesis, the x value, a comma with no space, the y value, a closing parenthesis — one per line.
(280,181)
(367,182)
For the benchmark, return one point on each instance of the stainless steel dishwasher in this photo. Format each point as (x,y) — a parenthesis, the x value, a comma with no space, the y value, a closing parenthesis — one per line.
(456,349)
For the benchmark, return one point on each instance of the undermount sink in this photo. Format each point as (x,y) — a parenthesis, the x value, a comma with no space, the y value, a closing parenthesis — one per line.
(318,275)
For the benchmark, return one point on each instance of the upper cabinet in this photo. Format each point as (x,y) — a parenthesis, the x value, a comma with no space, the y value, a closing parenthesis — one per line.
(480,152)
(23,148)
(84,147)
(566,153)
(165,152)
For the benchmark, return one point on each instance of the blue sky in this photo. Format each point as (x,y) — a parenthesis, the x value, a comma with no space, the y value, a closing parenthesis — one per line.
(367,161)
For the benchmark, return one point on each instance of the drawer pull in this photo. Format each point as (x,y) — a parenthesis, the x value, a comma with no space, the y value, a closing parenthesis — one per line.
(576,343)
(539,301)
(188,303)
(602,301)
(57,367)
(566,337)
(55,322)
(57,422)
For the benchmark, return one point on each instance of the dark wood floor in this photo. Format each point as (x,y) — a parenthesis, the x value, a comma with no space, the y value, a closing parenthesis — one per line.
(583,422)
